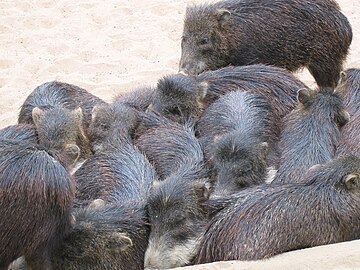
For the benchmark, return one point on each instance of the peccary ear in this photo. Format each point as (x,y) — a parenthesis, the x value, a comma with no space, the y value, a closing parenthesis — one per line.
(342,76)
(94,112)
(352,181)
(72,151)
(36,114)
(77,114)
(98,203)
(342,118)
(264,148)
(222,15)
(304,95)
(121,241)
(201,92)
(203,189)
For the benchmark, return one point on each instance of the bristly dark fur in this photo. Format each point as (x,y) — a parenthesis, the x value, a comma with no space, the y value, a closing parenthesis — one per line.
(181,98)
(117,173)
(54,94)
(324,209)
(113,236)
(349,89)
(139,98)
(177,217)
(169,146)
(311,133)
(20,132)
(285,33)
(349,142)
(237,125)
(36,195)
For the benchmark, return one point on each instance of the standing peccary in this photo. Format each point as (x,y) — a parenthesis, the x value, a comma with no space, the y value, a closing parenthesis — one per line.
(311,133)
(111,236)
(238,130)
(181,97)
(36,195)
(324,209)
(285,33)
(169,145)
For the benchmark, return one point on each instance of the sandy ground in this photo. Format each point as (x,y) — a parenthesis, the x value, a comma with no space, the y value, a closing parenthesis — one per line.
(107,47)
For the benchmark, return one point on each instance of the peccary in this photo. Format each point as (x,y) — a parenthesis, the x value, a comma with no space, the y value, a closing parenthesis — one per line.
(324,209)
(311,133)
(286,33)
(241,128)
(177,217)
(181,97)
(117,170)
(36,195)
(139,98)
(107,237)
(117,119)
(349,89)
(59,131)
(349,142)
(54,94)
(169,145)
(122,173)
(52,97)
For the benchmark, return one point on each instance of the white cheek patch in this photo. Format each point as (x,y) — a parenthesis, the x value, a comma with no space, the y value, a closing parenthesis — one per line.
(77,166)
(270,176)
(164,257)
(201,66)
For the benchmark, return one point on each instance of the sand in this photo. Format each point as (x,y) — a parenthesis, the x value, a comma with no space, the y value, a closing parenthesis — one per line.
(108,47)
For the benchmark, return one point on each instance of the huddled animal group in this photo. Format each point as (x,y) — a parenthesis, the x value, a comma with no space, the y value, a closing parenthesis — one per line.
(236,159)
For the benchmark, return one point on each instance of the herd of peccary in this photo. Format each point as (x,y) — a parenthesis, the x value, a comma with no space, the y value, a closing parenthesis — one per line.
(233,158)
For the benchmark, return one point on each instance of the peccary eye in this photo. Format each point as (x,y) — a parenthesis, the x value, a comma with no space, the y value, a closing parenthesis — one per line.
(174,111)
(204,41)
(104,126)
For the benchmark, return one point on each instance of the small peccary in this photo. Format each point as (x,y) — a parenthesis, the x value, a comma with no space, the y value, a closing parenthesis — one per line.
(36,195)
(169,146)
(60,130)
(180,97)
(324,209)
(238,130)
(53,94)
(117,119)
(285,33)
(177,217)
(117,170)
(112,236)
(311,133)
(52,97)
